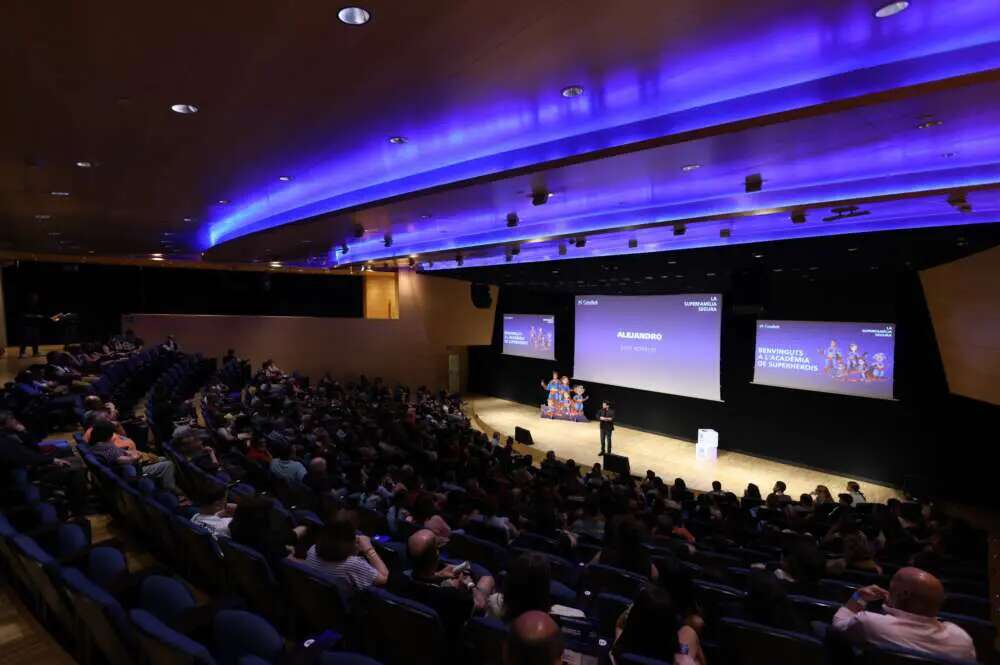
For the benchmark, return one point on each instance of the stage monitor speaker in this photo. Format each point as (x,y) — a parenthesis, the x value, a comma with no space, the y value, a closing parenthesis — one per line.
(480,294)
(522,435)
(617,464)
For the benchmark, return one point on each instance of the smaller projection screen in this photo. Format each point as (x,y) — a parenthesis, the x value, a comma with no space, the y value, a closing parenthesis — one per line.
(529,335)
(830,357)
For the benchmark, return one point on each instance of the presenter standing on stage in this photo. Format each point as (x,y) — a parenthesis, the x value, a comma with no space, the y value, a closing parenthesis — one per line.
(607,417)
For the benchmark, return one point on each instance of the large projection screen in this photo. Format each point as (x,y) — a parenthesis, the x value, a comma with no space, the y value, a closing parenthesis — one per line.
(665,344)
(529,335)
(831,357)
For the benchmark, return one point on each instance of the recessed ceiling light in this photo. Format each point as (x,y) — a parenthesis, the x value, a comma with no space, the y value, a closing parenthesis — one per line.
(43,217)
(223,202)
(891,8)
(59,193)
(571,91)
(54,234)
(156,258)
(354,15)
(90,251)
(928,124)
(285,178)
(184,109)
(187,219)
(156,255)
(690,167)
(852,249)
(758,255)
(275,264)
(84,164)
(397,140)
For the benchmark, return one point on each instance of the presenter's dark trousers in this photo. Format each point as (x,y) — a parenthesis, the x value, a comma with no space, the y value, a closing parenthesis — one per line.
(606,441)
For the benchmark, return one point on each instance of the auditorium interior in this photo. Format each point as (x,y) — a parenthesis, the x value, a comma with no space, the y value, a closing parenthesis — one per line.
(512,333)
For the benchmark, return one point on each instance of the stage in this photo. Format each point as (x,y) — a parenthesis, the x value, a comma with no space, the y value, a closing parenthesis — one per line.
(668,457)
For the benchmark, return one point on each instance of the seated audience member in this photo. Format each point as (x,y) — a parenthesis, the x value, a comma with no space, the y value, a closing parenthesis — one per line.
(717,488)
(752,492)
(317,479)
(802,512)
(170,344)
(398,513)
(822,494)
(802,567)
(857,498)
(286,468)
(666,529)
(19,451)
(767,603)
(341,554)
(425,558)
(626,550)
(103,448)
(910,620)
(528,586)
(254,525)
(858,554)
(425,513)
(777,498)
(259,452)
(534,639)
(652,628)
(214,513)
(592,522)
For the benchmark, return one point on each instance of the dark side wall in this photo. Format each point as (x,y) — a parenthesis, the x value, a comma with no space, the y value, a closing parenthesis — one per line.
(904,442)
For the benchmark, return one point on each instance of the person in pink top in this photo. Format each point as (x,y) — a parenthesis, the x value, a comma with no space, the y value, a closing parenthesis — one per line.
(910,621)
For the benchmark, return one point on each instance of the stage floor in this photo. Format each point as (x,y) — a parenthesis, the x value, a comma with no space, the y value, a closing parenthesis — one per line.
(669,458)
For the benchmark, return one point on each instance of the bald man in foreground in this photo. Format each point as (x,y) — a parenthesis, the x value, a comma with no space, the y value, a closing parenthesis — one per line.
(910,621)
(534,639)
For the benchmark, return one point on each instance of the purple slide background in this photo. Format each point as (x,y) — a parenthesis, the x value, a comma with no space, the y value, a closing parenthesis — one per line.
(684,362)
(812,339)
(518,327)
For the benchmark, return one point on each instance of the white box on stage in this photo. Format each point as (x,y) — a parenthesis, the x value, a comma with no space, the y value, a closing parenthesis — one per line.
(707,447)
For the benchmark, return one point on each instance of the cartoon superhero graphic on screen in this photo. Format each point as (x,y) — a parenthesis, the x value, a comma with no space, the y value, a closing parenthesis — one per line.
(853,355)
(832,358)
(879,367)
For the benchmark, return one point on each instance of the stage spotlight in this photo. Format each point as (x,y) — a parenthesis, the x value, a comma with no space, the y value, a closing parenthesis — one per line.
(512,220)
(539,196)
(754,183)
(633,243)
(725,233)
(411,261)
(515,250)
(798,217)
(459,260)
(581,241)
(387,239)
(508,257)
(358,231)
(680,229)
(344,249)
(562,249)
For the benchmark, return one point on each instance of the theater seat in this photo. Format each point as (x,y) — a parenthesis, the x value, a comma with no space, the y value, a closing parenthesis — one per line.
(237,634)
(815,609)
(250,577)
(634,659)
(399,631)
(747,643)
(477,550)
(106,565)
(982,632)
(598,578)
(161,645)
(318,602)
(482,641)
(968,605)
(165,598)
(885,655)
(606,610)
(104,621)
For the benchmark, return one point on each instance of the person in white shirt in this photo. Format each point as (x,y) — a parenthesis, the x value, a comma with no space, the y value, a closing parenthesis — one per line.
(214,513)
(855,491)
(910,621)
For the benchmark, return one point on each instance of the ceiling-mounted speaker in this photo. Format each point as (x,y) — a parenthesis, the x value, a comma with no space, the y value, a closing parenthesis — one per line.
(512,219)
(754,183)
(539,196)
(633,243)
(358,231)
(725,233)
(480,294)
(679,229)
(387,239)
(581,241)
(799,217)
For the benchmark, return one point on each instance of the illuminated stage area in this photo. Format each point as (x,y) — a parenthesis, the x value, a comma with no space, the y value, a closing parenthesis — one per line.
(670,458)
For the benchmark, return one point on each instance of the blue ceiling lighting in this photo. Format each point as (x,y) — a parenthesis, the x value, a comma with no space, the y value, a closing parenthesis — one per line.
(797,63)
(882,216)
